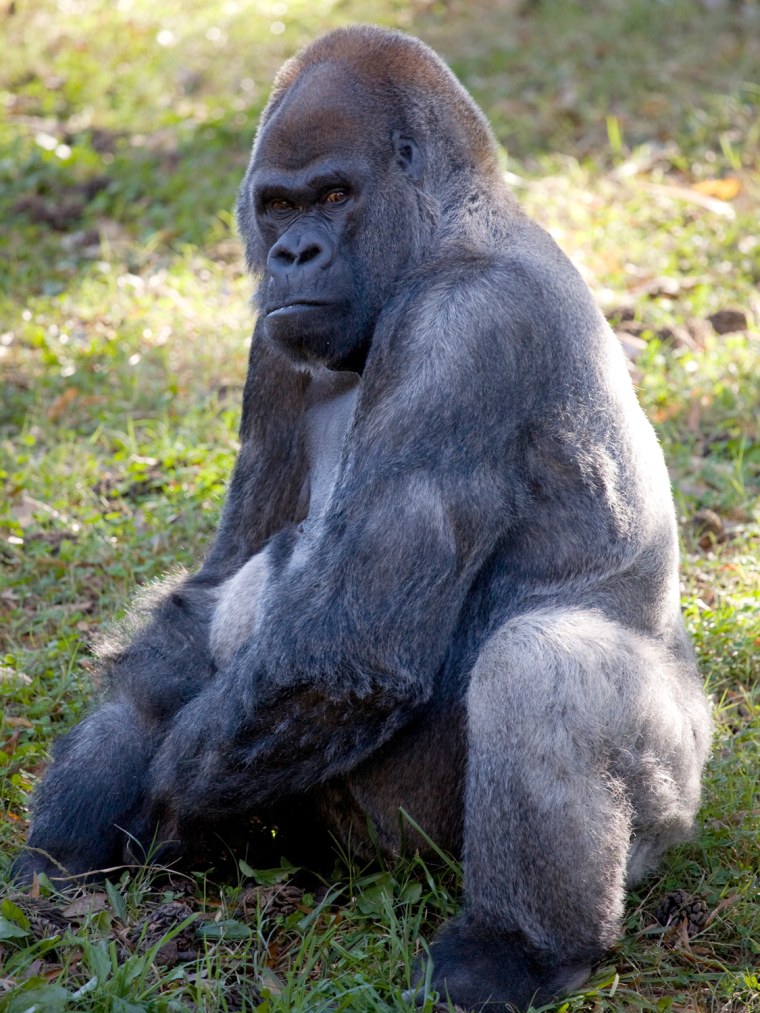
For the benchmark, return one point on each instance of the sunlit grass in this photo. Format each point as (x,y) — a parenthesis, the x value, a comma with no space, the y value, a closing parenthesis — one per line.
(124,319)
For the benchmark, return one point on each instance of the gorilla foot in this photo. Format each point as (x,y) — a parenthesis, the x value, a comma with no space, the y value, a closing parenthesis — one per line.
(480,969)
(31,862)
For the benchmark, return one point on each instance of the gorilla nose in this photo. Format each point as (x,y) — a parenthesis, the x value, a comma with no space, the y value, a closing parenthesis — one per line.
(307,252)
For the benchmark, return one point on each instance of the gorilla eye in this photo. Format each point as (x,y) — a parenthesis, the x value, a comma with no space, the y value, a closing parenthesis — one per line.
(335,197)
(279,204)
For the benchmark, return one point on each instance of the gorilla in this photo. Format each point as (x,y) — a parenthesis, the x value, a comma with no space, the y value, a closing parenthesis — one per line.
(445,577)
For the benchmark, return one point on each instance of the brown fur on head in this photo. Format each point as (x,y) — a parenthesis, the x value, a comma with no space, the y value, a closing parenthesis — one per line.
(402,74)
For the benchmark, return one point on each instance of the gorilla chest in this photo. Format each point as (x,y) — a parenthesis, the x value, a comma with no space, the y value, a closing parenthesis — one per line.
(332,398)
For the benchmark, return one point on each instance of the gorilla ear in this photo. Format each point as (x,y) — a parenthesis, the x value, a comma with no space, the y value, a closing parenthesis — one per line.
(408,155)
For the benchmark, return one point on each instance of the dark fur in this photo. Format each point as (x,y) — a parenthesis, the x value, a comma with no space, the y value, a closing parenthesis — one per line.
(476,618)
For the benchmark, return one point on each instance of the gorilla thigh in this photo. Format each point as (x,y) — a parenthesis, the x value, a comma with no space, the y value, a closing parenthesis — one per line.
(585,745)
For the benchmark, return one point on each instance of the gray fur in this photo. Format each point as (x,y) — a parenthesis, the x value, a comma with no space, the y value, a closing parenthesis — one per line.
(449,587)
(616,733)
(331,399)
(234,618)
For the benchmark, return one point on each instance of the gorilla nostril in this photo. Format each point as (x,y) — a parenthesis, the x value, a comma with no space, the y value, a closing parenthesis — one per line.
(286,255)
(309,254)
(282,255)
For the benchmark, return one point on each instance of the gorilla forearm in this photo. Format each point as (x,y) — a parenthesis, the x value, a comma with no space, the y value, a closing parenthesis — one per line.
(331,669)
(218,760)
(333,664)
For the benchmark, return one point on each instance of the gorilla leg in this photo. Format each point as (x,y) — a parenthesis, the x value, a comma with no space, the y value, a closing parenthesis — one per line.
(407,773)
(582,736)
(92,795)
(84,806)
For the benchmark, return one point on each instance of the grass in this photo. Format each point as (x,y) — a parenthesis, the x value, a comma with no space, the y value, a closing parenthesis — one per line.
(633,133)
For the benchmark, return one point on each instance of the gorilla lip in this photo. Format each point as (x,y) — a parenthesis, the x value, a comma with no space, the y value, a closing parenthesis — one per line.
(295,307)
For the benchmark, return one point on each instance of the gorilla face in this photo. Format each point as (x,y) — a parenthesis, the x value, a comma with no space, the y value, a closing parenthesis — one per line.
(329,210)
(314,294)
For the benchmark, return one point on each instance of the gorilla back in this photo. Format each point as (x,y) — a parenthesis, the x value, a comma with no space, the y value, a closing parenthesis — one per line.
(445,578)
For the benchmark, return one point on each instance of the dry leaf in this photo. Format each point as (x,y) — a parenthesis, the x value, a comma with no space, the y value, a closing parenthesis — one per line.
(18,722)
(725,903)
(88,904)
(11,675)
(693,196)
(722,189)
(9,746)
(59,406)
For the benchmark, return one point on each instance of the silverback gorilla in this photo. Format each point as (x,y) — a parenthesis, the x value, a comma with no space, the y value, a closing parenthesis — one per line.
(445,578)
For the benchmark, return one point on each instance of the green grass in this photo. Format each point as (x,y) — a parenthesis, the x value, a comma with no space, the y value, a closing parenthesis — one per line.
(124,130)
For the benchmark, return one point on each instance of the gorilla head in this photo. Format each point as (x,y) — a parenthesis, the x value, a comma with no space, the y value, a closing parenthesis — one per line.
(347,184)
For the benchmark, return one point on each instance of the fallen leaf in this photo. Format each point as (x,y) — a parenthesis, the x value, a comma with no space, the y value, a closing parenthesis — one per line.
(693,196)
(722,189)
(11,675)
(271,982)
(726,321)
(88,904)
(726,902)
(19,722)
(61,403)
(9,746)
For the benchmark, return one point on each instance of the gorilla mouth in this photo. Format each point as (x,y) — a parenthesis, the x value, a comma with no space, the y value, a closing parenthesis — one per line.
(296,307)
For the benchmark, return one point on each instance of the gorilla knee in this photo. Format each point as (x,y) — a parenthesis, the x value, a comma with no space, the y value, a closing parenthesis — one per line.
(582,739)
(576,678)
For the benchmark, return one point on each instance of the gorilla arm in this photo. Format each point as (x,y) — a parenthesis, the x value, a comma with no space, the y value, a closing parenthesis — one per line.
(344,652)
(358,614)
(269,473)
(318,687)
(162,658)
